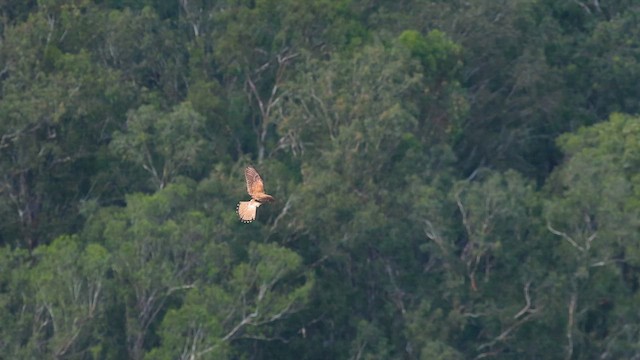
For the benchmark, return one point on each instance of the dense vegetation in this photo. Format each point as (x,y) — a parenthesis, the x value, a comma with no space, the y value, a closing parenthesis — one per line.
(455,179)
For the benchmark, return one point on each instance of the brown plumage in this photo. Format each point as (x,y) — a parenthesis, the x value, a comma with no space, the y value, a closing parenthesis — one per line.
(255,187)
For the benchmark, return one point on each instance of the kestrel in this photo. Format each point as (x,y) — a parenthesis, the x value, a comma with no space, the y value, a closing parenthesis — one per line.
(255,187)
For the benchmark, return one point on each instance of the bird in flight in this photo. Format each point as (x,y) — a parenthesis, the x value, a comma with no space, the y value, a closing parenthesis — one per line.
(255,187)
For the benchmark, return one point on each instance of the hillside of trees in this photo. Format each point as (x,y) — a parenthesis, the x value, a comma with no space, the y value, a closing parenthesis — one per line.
(455,179)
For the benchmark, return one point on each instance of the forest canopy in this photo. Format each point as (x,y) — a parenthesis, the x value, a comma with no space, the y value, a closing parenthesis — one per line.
(455,179)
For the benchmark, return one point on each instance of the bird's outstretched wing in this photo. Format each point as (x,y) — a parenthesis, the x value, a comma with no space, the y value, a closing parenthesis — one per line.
(255,186)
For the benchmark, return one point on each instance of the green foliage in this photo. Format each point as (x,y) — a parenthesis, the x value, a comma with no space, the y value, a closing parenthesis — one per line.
(437,54)
(256,297)
(195,328)
(70,286)
(60,298)
(157,245)
(17,303)
(53,107)
(596,229)
(164,145)
(602,157)
(341,104)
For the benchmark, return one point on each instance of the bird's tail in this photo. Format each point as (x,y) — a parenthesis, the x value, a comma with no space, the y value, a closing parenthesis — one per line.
(246,211)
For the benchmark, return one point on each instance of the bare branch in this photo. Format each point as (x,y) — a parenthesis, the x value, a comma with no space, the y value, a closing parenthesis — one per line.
(284,211)
(596,4)
(432,235)
(606,262)
(265,338)
(570,321)
(524,315)
(583,6)
(590,239)
(503,335)
(360,350)
(237,328)
(527,299)
(285,59)
(398,294)
(487,354)
(474,315)
(182,287)
(252,86)
(465,220)
(564,236)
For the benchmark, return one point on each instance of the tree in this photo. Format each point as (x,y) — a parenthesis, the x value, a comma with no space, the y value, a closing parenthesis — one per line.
(351,123)
(595,231)
(17,303)
(55,107)
(165,145)
(245,305)
(157,246)
(70,283)
(258,44)
(55,306)
(484,289)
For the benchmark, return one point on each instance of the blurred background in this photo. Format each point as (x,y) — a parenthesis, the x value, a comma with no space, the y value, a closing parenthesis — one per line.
(455,179)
